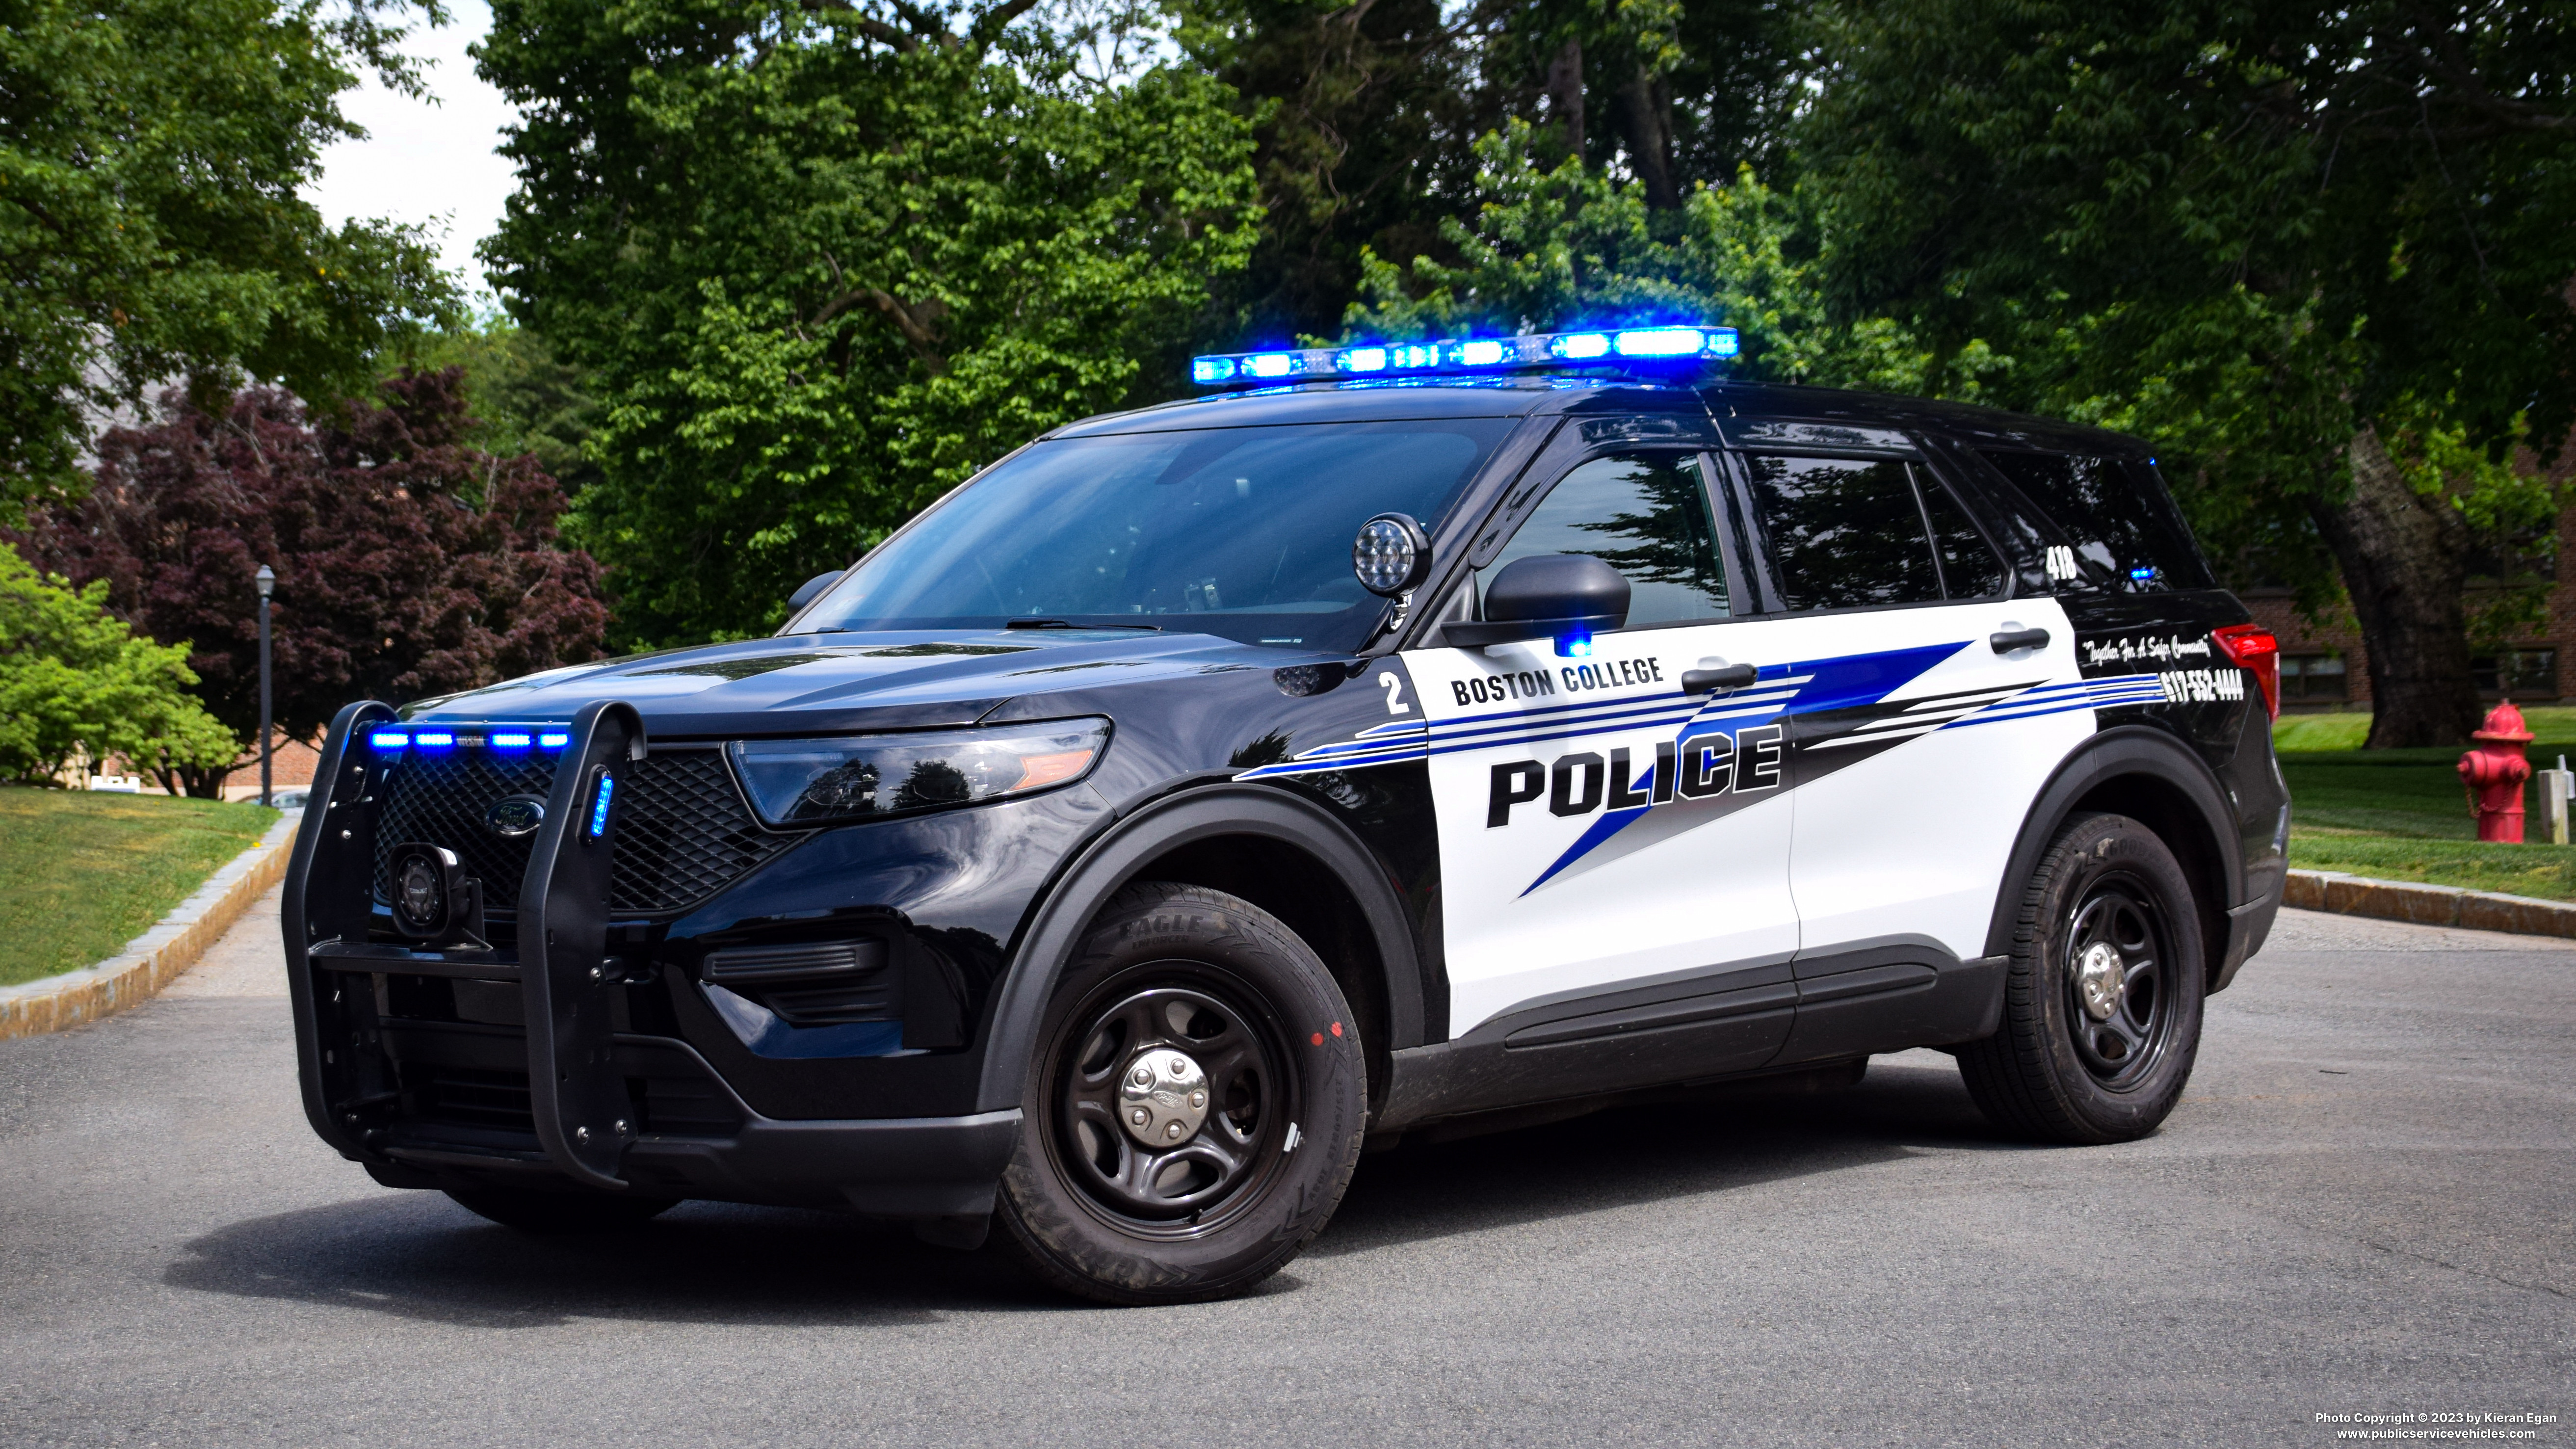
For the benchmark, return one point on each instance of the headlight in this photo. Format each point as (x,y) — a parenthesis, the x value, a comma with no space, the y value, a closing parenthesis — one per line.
(807,782)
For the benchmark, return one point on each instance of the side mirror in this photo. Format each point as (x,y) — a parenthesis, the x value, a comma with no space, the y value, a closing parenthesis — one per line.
(1545,596)
(806,591)
(1391,555)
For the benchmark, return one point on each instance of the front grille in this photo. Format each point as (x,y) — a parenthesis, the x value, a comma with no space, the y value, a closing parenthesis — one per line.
(465,1097)
(683,831)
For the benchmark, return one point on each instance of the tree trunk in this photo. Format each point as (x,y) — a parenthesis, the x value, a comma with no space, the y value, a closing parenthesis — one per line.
(1645,111)
(2404,561)
(1565,93)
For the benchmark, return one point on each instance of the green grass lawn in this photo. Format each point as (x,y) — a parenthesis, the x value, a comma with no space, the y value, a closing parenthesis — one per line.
(2401,814)
(83,872)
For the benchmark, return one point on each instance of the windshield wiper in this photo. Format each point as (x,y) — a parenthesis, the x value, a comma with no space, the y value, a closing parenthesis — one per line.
(1061,624)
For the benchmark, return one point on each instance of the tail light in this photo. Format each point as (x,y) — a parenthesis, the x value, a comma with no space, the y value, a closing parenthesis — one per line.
(2253,647)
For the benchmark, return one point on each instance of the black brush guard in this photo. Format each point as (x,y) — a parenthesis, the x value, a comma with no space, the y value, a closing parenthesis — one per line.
(577,1062)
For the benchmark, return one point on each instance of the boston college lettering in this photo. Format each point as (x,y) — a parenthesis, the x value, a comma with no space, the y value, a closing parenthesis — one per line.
(1571,678)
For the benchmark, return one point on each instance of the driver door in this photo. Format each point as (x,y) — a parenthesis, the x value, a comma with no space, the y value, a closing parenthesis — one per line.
(1615,850)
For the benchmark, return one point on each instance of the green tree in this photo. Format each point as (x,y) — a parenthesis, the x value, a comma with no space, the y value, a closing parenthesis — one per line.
(823,263)
(76,684)
(151,152)
(1572,246)
(2277,239)
(522,397)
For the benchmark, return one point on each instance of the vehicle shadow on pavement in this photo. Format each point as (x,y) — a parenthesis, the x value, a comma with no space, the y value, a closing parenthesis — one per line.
(1636,1154)
(417,1255)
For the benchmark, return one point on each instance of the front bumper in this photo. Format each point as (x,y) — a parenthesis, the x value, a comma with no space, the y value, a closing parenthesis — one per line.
(456,1063)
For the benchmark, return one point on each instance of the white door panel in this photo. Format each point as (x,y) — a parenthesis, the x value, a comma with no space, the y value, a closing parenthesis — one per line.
(1570,858)
(1909,806)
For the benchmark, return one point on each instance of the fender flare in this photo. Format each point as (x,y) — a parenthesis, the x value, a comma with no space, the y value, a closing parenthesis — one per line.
(1055,929)
(2123,750)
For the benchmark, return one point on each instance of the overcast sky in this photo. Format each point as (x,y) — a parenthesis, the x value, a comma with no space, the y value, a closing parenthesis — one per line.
(427,164)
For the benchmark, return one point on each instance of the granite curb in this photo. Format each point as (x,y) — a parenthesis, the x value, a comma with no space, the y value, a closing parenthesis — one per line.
(2427,905)
(152,960)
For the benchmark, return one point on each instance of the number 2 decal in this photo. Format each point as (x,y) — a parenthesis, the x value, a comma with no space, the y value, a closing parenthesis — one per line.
(1394,693)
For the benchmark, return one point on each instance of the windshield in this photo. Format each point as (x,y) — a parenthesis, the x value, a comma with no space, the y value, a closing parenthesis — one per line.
(1241,532)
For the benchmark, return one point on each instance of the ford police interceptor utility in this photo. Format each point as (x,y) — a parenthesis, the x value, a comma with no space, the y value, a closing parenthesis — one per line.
(1395,739)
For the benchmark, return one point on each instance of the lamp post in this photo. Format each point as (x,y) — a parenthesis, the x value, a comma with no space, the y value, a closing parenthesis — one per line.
(267,580)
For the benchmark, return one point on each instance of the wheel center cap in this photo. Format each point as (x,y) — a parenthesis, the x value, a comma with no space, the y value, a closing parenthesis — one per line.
(2099,980)
(1162,1098)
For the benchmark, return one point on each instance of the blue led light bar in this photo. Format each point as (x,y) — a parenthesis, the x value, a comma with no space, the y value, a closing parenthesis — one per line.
(434,740)
(507,740)
(1473,354)
(554,739)
(599,810)
(389,740)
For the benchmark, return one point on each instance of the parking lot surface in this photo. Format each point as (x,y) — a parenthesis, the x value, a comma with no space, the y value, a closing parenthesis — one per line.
(2365,1204)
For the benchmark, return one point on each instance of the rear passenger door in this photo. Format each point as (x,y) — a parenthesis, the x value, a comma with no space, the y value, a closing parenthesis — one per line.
(1926,718)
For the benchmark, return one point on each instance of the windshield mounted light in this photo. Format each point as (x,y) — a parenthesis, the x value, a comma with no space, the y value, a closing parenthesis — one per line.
(865,777)
(1641,345)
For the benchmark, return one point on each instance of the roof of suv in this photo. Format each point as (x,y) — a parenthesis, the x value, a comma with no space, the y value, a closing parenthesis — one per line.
(1520,395)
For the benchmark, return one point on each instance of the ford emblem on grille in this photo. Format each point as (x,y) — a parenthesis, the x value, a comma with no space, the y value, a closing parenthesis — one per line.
(512,816)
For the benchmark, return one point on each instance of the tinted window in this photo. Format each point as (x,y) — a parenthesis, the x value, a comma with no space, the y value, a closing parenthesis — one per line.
(1969,569)
(1842,533)
(1644,514)
(1240,532)
(2115,514)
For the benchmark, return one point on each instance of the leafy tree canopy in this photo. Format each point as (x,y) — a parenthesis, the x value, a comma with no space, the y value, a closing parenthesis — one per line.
(2274,237)
(822,263)
(408,563)
(77,686)
(150,227)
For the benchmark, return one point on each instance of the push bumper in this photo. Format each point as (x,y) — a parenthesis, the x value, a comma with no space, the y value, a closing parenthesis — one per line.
(555,1094)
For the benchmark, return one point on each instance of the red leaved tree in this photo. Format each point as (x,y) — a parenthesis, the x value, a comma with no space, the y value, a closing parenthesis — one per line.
(407,563)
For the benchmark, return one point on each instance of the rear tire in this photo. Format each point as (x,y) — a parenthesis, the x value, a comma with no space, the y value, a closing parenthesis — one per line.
(561,1212)
(2102,998)
(1195,1107)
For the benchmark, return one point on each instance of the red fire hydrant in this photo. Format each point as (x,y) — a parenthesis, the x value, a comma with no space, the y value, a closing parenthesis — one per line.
(2494,773)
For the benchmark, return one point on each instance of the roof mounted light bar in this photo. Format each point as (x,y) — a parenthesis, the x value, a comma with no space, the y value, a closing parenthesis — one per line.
(1464,355)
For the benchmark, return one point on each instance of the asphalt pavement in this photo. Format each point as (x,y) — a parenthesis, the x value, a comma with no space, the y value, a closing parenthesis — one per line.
(2366,1204)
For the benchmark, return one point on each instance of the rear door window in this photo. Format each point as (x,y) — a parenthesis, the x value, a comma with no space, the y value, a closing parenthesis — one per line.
(2115,515)
(1842,533)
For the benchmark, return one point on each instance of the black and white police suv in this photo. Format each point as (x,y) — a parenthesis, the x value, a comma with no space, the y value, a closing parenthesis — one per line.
(1402,739)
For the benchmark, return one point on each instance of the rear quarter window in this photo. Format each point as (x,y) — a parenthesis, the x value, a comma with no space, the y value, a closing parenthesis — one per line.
(2114,513)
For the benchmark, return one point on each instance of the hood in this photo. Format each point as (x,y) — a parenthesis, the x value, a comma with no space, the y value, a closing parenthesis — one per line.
(839,683)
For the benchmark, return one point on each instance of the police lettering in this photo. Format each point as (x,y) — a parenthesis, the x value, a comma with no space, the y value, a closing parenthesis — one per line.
(1705,764)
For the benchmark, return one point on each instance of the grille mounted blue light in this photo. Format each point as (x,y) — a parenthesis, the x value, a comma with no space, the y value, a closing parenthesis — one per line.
(508,740)
(389,740)
(434,740)
(554,739)
(599,808)
(1474,354)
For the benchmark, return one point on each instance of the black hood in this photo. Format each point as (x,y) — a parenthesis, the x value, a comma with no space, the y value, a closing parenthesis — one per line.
(808,684)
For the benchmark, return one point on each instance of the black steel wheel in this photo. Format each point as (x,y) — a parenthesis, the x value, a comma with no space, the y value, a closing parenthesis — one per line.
(1196,1110)
(2102,995)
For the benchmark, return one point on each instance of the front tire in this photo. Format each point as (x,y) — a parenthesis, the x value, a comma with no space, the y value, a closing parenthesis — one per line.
(2102,999)
(1195,1108)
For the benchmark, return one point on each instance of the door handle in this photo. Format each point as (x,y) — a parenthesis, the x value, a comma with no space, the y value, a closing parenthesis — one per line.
(2013,639)
(1717,681)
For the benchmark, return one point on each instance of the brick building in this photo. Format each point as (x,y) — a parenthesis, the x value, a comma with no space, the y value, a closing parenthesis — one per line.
(2327,667)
